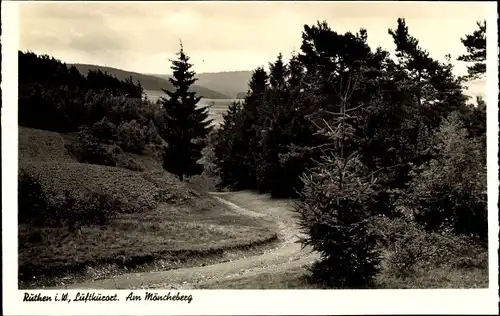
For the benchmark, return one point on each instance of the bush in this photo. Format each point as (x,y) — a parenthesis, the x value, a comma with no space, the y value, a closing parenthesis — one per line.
(67,208)
(129,163)
(449,191)
(32,207)
(85,208)
(406,245)
(408,248)
(144,203)
(104,130)
(88,149)
(335,217)
(133,137)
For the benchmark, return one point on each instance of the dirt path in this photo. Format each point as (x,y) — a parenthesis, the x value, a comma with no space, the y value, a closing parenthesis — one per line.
(288,253)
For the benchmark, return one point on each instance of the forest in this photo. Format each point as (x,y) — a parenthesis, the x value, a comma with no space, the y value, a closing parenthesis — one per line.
(374,150)
(371,147)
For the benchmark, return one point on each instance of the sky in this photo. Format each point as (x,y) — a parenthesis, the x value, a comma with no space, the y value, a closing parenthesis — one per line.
(227,36)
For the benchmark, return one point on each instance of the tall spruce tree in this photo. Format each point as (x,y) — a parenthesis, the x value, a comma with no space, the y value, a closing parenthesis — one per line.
(271,124)
(252,126)
(186,125)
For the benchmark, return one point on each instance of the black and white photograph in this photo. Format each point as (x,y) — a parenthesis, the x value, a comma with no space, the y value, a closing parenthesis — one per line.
(252,145)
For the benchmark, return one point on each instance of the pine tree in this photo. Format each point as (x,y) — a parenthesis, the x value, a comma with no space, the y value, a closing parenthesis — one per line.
(475,44)
(185,125)
(437,91)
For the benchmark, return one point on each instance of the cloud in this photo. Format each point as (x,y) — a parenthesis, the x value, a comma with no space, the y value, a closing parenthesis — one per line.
(58,26)
(226,35)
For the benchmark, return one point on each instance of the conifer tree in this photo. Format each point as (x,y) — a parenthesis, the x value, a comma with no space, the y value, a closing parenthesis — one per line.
(229,148)
(271,124)
(334,211)
(437,91)
(475,44)
(237,150)
(185,124)
(296,73)
(252,125)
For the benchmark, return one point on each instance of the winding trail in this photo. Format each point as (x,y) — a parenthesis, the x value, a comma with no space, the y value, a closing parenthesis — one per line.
(287,254)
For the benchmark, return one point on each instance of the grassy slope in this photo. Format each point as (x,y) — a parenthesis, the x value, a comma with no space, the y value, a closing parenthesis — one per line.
(149,82)
(182,229)
(229,82)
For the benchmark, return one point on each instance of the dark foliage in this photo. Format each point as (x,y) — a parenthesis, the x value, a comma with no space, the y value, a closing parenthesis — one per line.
(32,205)
(58,98)
(335,216)
(89,149)
(449,191)
(475,44)
(184,125)
(383,151)
(355,135)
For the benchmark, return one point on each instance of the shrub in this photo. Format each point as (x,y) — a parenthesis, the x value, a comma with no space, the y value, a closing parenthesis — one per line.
(335,218)
(88,149)
(32,207)
(129,163)
(85,208)
(133,137)
(66,208)
(449,191)
(408,247)
(144,203)
(104,130)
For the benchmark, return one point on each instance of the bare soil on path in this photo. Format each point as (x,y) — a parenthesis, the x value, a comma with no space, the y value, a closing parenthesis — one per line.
(287,254)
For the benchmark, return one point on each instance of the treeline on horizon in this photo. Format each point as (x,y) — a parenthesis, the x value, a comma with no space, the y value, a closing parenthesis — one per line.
(368,146)
(52,96)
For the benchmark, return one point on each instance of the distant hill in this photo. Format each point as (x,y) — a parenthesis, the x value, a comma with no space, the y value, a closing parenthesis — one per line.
(241,95)
(230,83)
(149,82)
